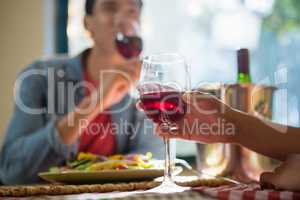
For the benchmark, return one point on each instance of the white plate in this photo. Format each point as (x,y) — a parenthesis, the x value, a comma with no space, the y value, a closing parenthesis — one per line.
(78,177)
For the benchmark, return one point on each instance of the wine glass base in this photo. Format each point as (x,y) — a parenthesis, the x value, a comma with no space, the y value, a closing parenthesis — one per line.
(167,187)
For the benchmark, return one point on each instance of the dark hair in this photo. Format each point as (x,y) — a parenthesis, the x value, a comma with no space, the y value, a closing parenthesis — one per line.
(89,5)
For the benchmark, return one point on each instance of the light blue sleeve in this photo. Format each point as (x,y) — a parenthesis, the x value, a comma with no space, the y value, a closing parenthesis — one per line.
(32,142)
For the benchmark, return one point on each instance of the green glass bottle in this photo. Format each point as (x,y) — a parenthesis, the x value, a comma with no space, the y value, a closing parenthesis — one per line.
(243,63)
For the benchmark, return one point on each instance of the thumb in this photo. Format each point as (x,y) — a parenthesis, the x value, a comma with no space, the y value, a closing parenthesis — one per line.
(191,97)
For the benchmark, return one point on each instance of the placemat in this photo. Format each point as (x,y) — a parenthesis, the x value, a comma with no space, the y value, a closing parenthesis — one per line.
(56,189)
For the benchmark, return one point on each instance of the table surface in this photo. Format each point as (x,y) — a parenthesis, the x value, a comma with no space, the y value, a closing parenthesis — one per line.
(188,195)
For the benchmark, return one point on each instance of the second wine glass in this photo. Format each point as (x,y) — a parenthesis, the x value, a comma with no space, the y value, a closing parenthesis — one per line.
(128,39)
(164,78)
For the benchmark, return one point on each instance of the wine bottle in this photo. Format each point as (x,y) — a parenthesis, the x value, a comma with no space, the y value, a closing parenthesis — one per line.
(243,63)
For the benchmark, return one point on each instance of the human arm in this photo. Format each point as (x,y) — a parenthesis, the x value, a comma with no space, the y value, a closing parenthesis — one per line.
(113,88)
(273,140)
(32,143)
(265,137)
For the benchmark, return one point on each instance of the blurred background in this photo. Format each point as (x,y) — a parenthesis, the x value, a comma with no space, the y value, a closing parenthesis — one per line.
(206,32)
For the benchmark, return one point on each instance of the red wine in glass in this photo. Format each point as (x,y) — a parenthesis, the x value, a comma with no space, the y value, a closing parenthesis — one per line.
(163,106)
(129,46)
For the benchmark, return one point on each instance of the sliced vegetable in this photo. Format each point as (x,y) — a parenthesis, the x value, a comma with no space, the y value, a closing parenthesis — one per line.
(121,167)
(76,163)
(87,156)
(91,162)
(116,157)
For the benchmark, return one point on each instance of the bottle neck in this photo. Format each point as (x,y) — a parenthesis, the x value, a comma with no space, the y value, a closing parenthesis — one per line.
(243,62)
(244,78)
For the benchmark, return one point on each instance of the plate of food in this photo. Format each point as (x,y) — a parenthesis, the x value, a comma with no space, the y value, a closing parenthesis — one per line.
(89,168)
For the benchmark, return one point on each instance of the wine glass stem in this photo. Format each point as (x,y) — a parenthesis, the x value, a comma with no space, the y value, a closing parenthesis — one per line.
(168,166)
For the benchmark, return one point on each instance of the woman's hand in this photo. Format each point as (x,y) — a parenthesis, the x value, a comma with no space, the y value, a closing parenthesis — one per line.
(207,120)
(285,177)
(114,85)
(117,82)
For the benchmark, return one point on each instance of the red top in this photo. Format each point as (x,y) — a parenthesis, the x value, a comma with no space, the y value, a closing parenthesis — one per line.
(98,138)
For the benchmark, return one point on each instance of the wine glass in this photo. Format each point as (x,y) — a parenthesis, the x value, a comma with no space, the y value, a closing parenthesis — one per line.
(164,78)
(128,39)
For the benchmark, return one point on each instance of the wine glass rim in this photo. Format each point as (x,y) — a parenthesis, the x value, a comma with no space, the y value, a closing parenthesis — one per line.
(177,58)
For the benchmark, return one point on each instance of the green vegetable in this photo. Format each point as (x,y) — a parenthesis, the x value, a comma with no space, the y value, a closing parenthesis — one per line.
(84,166)
(54,170)
(77,163)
